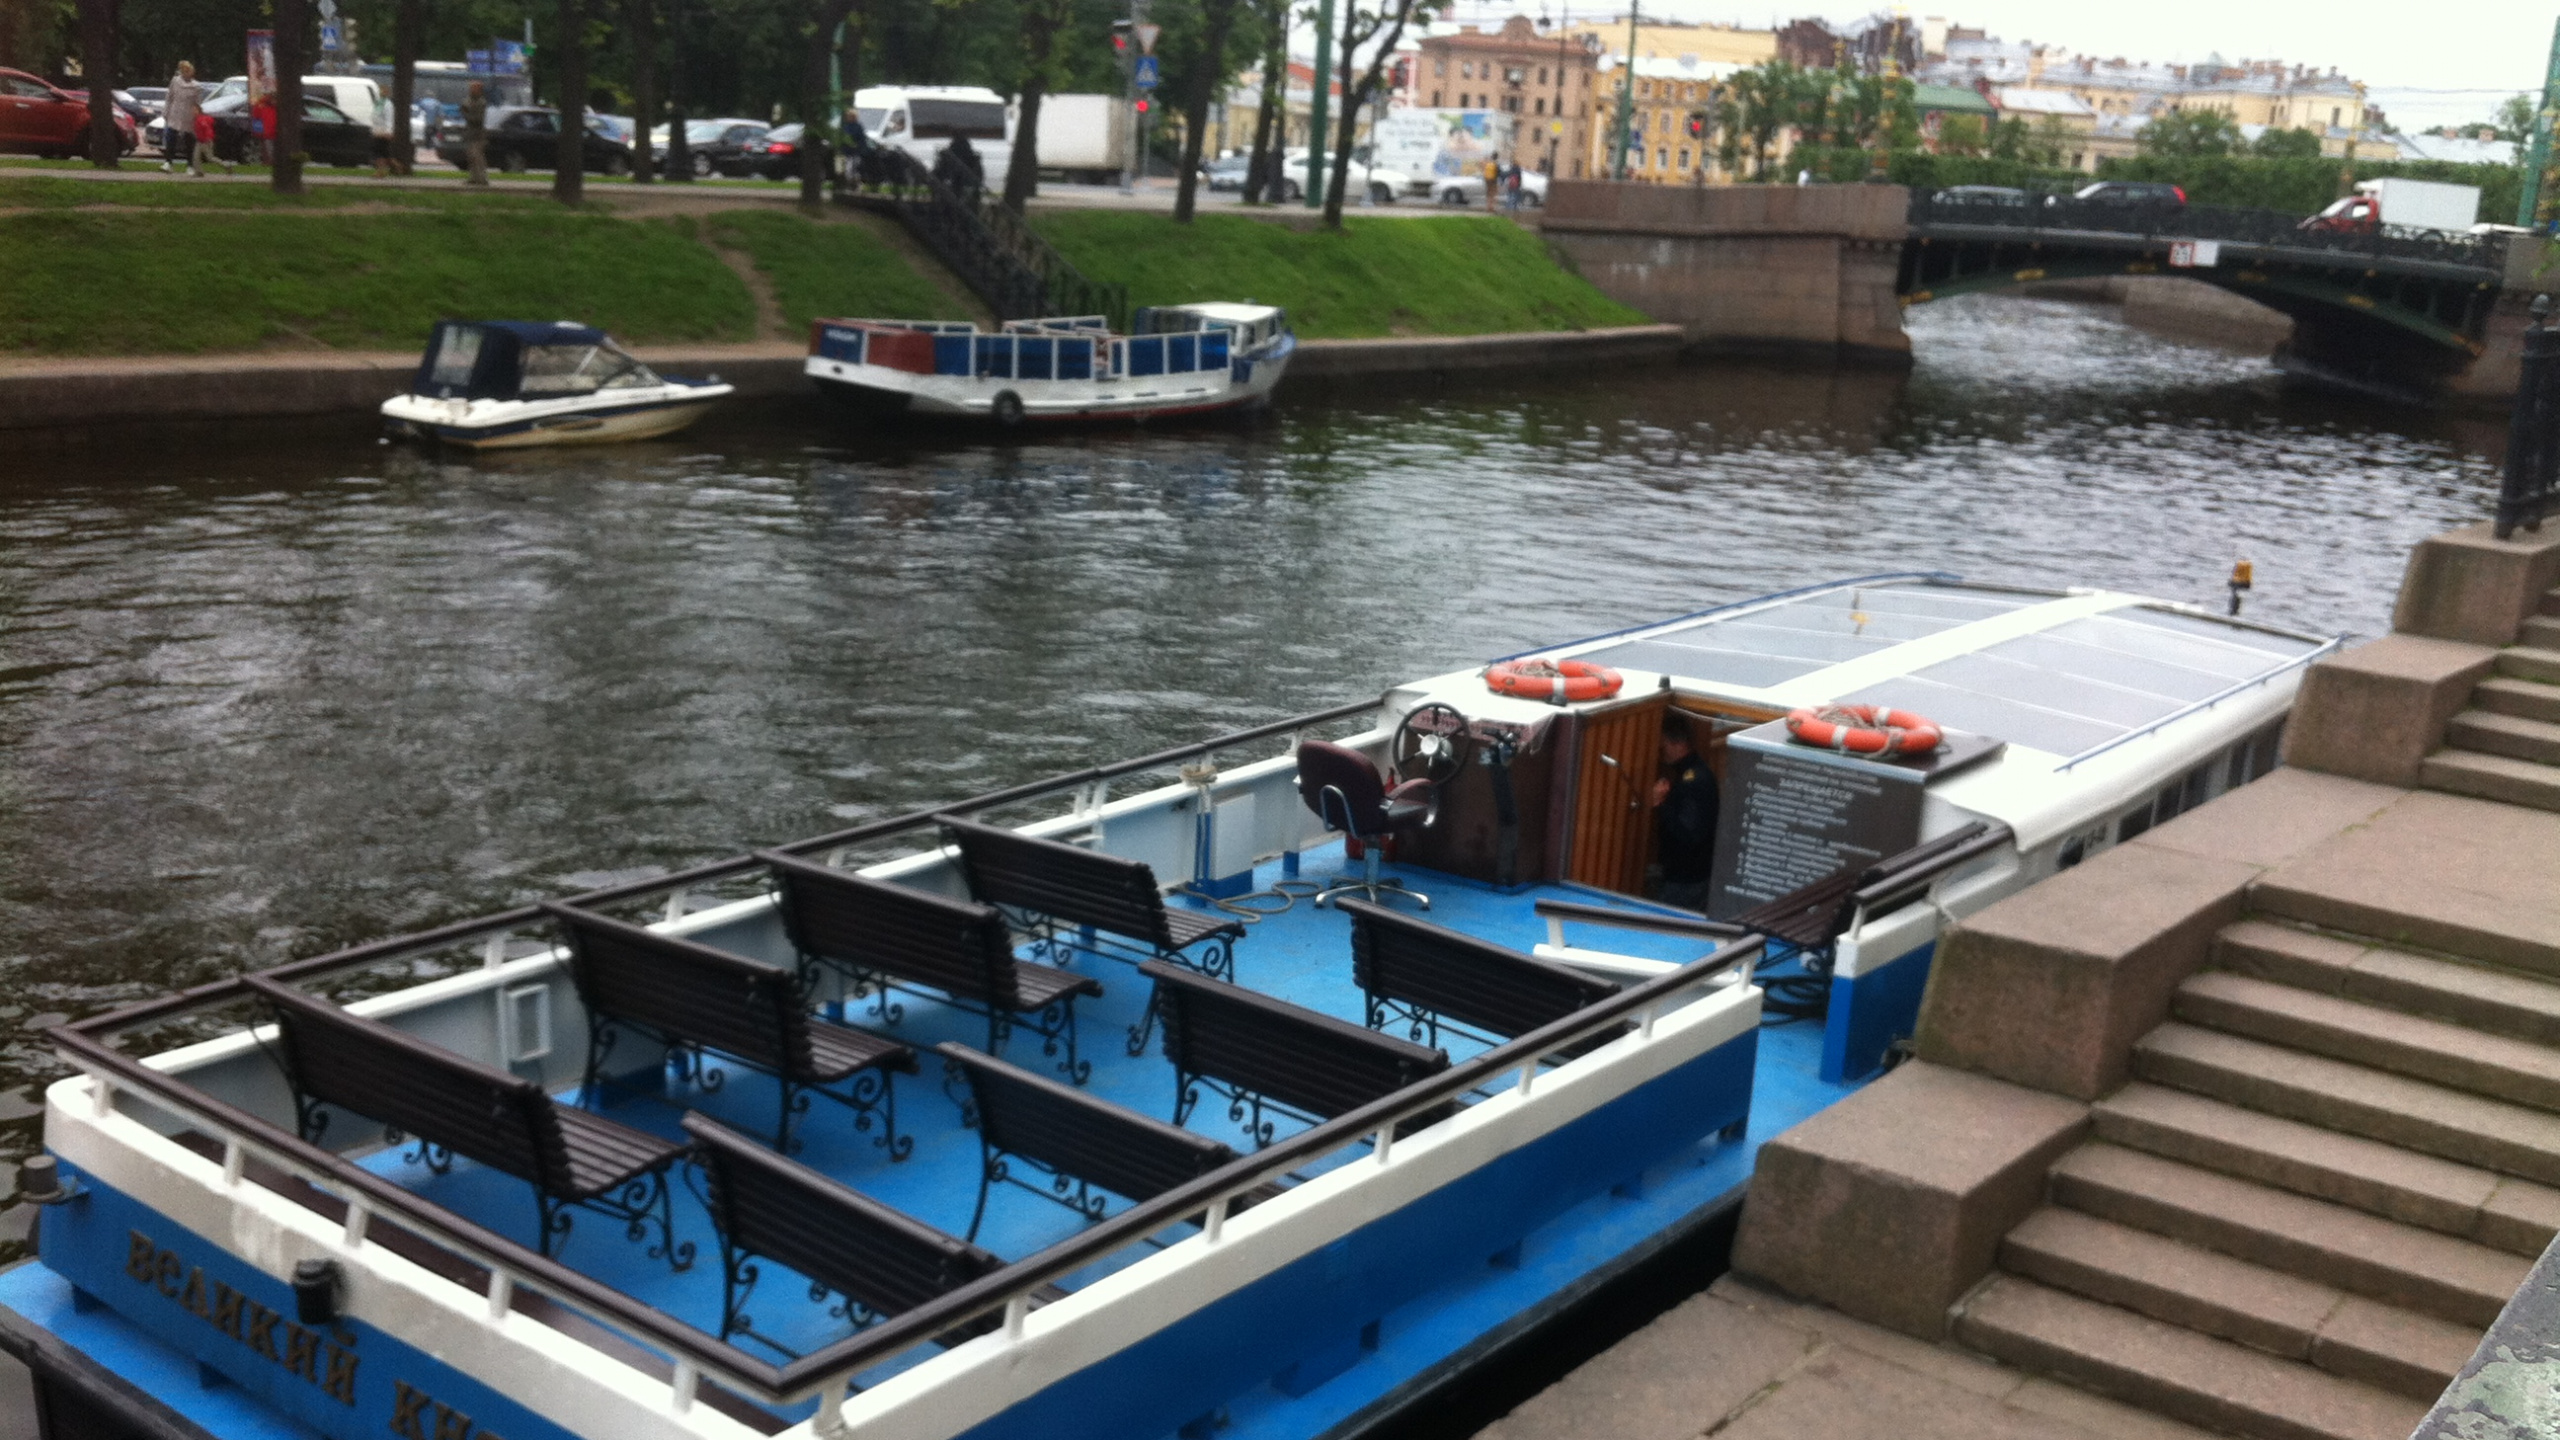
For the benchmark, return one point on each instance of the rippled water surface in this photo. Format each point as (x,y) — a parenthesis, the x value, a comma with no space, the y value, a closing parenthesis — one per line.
(256,703)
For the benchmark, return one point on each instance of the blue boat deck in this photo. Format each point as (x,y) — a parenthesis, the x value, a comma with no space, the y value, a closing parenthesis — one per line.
(1302,955)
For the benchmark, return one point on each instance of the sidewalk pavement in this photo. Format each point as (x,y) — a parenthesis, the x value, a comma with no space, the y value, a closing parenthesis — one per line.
(1742,1363)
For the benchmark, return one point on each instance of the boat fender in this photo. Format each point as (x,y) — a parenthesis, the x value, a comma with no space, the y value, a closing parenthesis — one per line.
(1007,409)
(1864,730)
(1558,682)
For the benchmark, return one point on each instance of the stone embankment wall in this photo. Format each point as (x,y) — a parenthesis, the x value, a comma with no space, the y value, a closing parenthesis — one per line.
(1779,270)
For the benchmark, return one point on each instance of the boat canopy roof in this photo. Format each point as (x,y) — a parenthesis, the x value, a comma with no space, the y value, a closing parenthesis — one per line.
(523,359)
(2062,673)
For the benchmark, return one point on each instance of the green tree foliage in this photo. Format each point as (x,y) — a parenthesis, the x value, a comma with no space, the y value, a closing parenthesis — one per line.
(2515,119)
(2191,132)
(1963,134)
(2286,145)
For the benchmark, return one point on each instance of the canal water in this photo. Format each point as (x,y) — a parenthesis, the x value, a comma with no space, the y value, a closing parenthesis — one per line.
(261,699)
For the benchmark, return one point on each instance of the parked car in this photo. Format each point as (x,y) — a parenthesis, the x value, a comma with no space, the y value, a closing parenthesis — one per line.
(46,120)
(153,98)
(330,136)
(714,147)
(1381,185)
(2355,215)
(1469,189)
(2005,196)
(775,155)
(527,137)
(1226,172)
(2132,192)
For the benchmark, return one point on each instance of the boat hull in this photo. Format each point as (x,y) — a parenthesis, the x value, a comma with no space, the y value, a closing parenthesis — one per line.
(878,390)
(513,425)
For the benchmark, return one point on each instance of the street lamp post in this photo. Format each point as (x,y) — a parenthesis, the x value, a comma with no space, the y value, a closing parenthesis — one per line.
(1317,110)
(1627,97)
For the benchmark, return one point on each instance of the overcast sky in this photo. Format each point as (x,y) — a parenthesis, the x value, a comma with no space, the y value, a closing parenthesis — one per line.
(2483,49)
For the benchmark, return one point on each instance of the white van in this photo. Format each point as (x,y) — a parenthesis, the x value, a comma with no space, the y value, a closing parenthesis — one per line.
(924,119)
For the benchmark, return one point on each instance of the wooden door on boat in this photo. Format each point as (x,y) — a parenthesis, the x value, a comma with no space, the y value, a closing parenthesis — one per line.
(1620,751)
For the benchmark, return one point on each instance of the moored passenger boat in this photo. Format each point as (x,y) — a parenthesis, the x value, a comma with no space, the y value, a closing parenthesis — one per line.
(1150,1113)
(1176,360)
(512,384)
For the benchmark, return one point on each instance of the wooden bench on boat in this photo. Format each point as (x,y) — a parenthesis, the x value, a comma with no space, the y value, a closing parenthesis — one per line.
(884,936)
(1114,904)
(766,1206)
(1426,976)
(456,1106)
(1261,1052)
(1077,1140)
(693,998)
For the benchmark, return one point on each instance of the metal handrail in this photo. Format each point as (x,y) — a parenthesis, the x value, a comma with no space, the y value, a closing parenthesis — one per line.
(2529,490)
(2207,703)
(1206,1196)
(1922,866)
(2274,229)
(1692,927)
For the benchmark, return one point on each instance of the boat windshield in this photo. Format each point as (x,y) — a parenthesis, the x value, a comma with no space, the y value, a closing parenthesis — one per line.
(581,370)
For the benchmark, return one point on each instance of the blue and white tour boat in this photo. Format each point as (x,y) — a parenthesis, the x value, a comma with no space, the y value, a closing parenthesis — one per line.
(1176,360)
(1252,1087)
(509,384)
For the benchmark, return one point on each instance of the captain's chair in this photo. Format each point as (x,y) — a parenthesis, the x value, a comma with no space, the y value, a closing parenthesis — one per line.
(1347,794)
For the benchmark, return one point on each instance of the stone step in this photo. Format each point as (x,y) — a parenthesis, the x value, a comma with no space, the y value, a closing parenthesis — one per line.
(2509,696)
(2395,1109)
(2400,1351)
(2551,601)
(2479,996)
(2527,662)
(2451,1055)
(2398,1265)
(2492,777)
(2514,736)
(2176,1372)
(2499,1211)
(2541,632)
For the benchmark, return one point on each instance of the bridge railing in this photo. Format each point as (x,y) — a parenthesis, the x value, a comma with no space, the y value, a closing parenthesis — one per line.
(2531,490)
(2030,210)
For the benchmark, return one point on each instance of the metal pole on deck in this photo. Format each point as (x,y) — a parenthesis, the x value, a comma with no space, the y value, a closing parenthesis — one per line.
(2537,157)
(1627,97)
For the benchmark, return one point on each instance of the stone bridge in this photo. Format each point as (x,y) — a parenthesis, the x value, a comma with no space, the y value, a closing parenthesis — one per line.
(1824,272)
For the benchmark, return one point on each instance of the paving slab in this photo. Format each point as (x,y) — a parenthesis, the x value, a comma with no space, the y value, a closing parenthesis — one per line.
(2441,872)
(2275,818)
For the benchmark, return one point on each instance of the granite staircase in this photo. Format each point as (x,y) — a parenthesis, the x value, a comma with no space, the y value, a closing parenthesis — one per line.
(2506,746)
(2334,1164)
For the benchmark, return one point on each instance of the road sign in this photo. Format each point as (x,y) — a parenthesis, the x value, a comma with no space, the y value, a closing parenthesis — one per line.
(328,9)
(2195,254)
(1147,78)
(329,41)
(1147,37)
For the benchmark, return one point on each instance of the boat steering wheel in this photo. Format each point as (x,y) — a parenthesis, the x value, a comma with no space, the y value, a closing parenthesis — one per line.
(1431,743)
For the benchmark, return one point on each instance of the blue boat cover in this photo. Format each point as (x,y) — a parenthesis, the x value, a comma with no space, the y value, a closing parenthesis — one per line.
(484,359)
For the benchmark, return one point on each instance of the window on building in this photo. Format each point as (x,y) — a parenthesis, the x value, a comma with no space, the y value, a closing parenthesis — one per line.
(1514,74)
(1538,107)
(1644,88)
(1466,69)
(1435,99)
(1542,74)
(1439,69)
(1684,159)
(1662,159)
(1511,103)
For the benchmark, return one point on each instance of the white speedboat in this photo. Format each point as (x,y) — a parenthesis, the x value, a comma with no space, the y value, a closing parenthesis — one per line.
(507,384)
(1137,1134)
(1175,360)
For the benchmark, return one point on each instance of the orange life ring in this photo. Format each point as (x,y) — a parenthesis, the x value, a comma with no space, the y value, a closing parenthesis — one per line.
(1865,730)
(1558,681)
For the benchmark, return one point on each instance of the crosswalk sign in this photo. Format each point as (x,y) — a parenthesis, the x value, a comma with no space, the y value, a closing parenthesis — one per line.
(1147,76)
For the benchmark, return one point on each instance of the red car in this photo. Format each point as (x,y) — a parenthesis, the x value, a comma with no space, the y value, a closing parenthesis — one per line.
(41,119)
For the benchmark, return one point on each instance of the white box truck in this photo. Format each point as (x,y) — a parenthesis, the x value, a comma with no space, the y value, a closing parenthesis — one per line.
(1440,150)
(1084,138)
(2409,204)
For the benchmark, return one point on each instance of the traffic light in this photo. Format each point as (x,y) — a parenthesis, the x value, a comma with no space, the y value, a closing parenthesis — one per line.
(1697,124)
(1120,38)
(1142,105)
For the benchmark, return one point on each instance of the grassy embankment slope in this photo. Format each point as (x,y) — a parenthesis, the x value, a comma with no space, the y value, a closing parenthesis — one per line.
(1442,275)
(168,267)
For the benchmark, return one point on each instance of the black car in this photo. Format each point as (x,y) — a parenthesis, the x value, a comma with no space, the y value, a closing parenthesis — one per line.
(527,137)
(2132,192)
(775,155)
(328,136)
(719,147)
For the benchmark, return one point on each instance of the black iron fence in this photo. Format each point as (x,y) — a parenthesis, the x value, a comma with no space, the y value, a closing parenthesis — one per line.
(1975,206)
(1002,260)
(2532,488)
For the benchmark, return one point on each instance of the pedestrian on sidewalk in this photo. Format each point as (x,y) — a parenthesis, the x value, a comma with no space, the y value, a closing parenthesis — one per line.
(475,135)
(262,123)
(1492,184)
(178,121)
(205,154)
(1511,188)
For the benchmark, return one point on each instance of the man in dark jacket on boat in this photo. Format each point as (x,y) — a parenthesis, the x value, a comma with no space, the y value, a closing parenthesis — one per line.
(1684,817)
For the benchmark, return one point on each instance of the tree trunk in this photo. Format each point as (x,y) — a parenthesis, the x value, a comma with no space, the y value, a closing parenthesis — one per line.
(293,19)
(814,101)
(643,25)
(569,161)
(1221,16)
(99,27)
(679,154)
(1262,172)
(406,23)
(1040,27)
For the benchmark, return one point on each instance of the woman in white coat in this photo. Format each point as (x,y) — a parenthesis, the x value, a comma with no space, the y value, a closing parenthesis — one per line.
(178,120)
